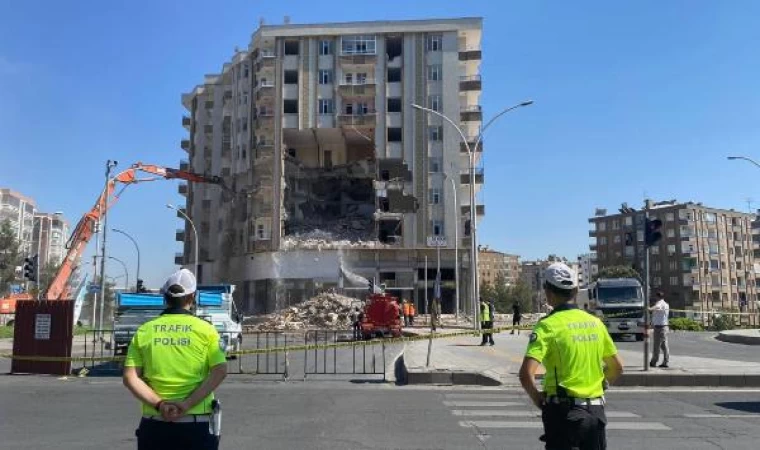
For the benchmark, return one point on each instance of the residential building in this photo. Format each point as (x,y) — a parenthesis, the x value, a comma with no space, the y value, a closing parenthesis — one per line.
(532,274)
(587,269)
(19,210)
(493,264)
(313,127)
(51,232)
(704,261)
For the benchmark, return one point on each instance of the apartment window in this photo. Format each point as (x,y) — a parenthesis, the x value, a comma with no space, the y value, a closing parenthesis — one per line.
(713,249)
(291,47)
(326,106)
(291,77)
(709,217)
(435,133)
(603,240)
(640,235)
(434,72)
(394,134)
(325,77)
(394,105)
(669,217)
(674,281)
(657,266)
(715,280)
(671,233)
(434,196)
(394,75)
(325,47)
(655,250)
(436,164)
(433,42)
(712,234)
(290,106)
(714,264)
(358,45)
(671,250)
(673,265)
(685,214)
(245,71)
(434,103)
(601,226)
(738,265)
(628,221)
(616,224)
(245,123)
(437,226)
(656,281)
(616,239)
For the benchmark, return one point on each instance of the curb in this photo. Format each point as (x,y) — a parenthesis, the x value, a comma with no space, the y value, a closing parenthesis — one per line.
(447,377)
(736,338)
(689,380)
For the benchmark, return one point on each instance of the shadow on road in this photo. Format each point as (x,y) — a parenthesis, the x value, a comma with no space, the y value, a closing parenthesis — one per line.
(750,407)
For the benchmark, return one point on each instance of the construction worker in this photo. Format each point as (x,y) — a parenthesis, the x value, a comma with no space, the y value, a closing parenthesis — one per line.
(486,322)
(412,313)
(572,345)
(405,311)
(173,365)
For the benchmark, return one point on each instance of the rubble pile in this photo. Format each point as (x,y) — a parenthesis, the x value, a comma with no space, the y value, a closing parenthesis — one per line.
(325,311)
(321,239)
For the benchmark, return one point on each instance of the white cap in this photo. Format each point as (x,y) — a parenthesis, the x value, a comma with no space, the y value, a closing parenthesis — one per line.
(182,278)
(560,275)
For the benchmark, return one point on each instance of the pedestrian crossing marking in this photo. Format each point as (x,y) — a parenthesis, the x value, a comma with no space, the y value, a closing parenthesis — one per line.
(484,396)
(476,404)
(721,416)
(501,413)
(638,426)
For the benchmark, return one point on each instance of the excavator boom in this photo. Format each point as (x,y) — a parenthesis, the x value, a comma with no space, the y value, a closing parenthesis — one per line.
(85,228)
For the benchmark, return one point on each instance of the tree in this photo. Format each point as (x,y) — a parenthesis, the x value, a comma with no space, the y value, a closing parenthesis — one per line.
(486,291)
(521,294)
(110,300)
(10,256)
(618,272)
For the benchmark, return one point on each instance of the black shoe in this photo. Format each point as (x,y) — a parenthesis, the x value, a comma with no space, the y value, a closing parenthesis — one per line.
(491,344)
(652,364)
(482,344)
(664,365)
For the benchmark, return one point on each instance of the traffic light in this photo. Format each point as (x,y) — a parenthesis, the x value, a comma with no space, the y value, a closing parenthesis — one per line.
(652,233)
(371,285)
(30,268)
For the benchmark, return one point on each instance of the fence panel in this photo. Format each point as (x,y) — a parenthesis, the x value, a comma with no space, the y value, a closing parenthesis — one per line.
(343,355)
(273,362)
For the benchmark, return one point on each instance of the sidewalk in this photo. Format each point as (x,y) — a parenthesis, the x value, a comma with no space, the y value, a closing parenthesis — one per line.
(461,360)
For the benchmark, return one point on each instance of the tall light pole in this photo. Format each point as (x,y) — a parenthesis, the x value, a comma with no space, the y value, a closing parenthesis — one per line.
(474,288)
(456,246)
(104,213)
(195,233)
(137,273)
(745,158)
(126,272)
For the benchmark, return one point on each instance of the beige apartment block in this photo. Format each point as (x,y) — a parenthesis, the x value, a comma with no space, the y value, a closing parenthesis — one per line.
(492,264)
(312,125)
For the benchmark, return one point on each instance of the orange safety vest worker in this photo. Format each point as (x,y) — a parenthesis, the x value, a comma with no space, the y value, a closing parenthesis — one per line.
(407,308)
(411,310)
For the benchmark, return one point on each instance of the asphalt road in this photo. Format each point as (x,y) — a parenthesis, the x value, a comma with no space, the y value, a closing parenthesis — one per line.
(700,344)
(98,413)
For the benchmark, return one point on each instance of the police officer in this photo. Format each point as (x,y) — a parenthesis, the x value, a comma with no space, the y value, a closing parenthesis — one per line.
(486,322)
(173,365)
(579,356)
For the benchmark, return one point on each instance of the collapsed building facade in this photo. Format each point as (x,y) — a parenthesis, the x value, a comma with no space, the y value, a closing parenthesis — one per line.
(329,164)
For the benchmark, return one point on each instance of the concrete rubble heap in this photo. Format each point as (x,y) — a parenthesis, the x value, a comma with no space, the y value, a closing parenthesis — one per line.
(326,311)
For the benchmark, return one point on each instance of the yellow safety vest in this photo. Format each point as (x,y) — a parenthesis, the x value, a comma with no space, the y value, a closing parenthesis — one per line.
(485,312)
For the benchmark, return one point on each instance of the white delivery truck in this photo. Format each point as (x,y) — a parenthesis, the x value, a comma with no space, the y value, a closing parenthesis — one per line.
(215,304)
(620,303)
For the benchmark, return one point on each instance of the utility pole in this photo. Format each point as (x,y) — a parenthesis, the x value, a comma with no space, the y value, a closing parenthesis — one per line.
(104,213)
(95,295)
(647,206)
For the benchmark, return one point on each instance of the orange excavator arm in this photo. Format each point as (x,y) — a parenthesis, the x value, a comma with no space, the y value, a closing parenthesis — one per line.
(83,232)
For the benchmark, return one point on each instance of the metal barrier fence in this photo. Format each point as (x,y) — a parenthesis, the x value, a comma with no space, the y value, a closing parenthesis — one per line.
(269,363)
(356,358)
(96,347)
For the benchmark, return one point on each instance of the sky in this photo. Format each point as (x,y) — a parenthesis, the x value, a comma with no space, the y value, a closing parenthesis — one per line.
(632,99)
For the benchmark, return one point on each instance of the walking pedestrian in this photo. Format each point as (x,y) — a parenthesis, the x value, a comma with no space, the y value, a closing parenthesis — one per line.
(412,313)
(660,311)
(173,365)
(486,323)
(572,345)
(516,317)
(405,310)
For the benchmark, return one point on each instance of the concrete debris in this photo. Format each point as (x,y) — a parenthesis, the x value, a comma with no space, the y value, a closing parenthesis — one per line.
(321,239)
(326,311)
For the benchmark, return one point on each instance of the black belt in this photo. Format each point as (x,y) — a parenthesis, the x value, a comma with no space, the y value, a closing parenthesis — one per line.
(554,400)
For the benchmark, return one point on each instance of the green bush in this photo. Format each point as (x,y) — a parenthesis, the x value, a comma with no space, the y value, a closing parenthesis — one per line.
(684,324)
(723,322)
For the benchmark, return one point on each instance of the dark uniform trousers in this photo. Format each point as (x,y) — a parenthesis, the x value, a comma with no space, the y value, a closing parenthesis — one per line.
(157,435)
(487,337)
(573,427)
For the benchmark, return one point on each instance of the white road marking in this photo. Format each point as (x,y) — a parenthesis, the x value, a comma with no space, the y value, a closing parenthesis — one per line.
(722,416)
(641,426)
(465,404)
(501,413)
(493,396)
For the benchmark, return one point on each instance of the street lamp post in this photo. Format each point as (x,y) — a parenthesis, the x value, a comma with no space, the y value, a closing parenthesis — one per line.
(474,288)
(745,158)
(126,272)
(137,273)
(195,233)
(456,246)
(110,164)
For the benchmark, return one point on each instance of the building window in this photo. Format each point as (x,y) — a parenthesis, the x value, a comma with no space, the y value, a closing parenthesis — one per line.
(435,196)
(603,240)
(713,249)
(671,250)
(669,217)
(640,235)
(655,250)
(291,77)
(437,226)
(656,281)
(671,233)
(245,71)
(673,265)
(394,134)
(709,217)
(628,221)
(358,45)
(326,106)
(657,266)
(394,75)
(291,47)
(433,42)
(290,106)
(436,164)
(325,77)
(434,72)
(325,47)
(616,224)
(685,214)
(616,239)
(434,103)
(601,226)
(674,281)
(394,105)
(435,133)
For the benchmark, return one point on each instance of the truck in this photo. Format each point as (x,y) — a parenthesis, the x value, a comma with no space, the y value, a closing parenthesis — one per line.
(381,316)
(619,303)
(213,304)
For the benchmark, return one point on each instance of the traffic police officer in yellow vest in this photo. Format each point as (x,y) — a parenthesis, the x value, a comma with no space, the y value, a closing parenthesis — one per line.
(173,365)
(486,322)
(579,356)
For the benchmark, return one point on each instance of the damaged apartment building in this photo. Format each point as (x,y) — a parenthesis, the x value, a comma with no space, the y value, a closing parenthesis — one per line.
(328,164)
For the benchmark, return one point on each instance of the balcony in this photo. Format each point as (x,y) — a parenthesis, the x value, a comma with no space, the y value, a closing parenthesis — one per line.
(351,59)
(470,83)
(357,120)
(185,144)
(592,233)
(267,53)
(179,235)
(187,122)
(479,176)
(264,122)
(472,113)
(592,247)
(480,210)
(471,142)
(264,84)
(470,54)
(179,259)
(184,165)
(182,189)
(357,89)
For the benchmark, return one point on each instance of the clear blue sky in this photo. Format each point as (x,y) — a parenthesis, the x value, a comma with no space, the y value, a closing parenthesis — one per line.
(631,98)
